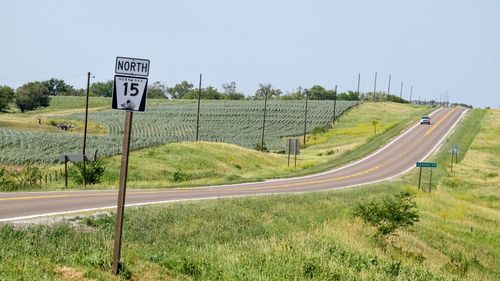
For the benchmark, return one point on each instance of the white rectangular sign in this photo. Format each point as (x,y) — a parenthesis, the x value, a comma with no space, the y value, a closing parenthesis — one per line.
(129,93)
(132,66)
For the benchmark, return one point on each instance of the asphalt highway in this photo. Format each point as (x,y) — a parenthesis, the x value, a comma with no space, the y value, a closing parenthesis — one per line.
(399,156)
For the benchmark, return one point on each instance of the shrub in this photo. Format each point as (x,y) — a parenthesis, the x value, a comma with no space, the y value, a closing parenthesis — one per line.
(389,213)
(320,129)
(12,180)
(7,183)
(180,176)
(94,171)
(261,148)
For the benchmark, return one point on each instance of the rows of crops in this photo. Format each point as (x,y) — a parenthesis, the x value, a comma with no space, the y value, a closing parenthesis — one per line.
(238,122)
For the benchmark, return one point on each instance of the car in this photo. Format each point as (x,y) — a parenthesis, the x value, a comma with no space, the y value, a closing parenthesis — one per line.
(425,120)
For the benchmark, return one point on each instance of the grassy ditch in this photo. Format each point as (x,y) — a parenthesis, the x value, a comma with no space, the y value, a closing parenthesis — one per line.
(301,237)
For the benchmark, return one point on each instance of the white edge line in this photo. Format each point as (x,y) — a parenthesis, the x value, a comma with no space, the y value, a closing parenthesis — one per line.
(250,195)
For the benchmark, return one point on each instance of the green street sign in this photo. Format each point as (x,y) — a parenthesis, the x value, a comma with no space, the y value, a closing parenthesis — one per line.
(426,165)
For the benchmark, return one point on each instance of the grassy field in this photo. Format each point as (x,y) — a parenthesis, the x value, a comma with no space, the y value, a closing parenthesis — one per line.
(289,237)
(205,163)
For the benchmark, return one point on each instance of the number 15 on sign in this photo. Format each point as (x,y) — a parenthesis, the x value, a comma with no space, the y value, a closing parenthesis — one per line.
(129,93)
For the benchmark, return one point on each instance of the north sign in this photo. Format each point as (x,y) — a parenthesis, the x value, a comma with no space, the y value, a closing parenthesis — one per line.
(132,66)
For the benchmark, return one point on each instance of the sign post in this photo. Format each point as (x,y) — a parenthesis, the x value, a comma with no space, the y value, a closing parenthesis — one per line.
(129,94)
(293,147)
(425,165)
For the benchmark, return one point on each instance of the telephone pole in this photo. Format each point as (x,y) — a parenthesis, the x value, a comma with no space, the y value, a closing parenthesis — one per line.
(401,91)
(335,105)
(264,119)
(305,118)
(389,87)
(359,79)
(375,88)
(198,112)
(85,130)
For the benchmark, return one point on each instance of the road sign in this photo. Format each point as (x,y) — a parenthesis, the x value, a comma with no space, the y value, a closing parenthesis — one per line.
(426,165)
(132,66)
(293,146)
(129,93)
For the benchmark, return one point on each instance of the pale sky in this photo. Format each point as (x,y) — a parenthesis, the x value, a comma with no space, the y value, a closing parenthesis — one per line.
(437,46)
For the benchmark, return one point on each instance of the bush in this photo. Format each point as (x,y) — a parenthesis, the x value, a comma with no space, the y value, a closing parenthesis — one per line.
(94,171)
(320,129)
(261,148)
(7,183)
(389,213)
(29,178)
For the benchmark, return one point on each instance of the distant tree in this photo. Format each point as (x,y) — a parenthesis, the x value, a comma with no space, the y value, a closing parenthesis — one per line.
(157,91)
(58,87)
(230,92)
(297,94)
(394,98)
(179,90)
(349,95)
(6,97)
(101,89)
(267,89)
(317,92)
(32,95)
(209,93)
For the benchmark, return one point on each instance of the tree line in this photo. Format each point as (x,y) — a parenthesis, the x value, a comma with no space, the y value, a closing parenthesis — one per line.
(37,94)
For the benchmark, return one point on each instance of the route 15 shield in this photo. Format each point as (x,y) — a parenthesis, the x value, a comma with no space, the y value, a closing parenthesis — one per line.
(129,93)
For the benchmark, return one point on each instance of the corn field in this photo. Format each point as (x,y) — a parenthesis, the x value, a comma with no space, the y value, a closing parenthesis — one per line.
(237,122)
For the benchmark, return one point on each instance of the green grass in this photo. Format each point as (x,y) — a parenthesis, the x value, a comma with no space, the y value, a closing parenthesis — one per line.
(289,237)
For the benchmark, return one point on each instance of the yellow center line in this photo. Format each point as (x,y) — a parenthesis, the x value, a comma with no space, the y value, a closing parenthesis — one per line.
(33,197)
(245,188)
(440,121)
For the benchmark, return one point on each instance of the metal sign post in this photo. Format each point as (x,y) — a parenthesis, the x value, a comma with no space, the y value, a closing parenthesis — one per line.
(129,93)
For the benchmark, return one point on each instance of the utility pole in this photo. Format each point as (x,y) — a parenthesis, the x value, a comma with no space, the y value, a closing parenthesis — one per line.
(440,99)
(85,130)
(375,88)
(264,120)
(389,87)
(411,92)
(335,105)
(359,79)
(305,123)
(401,91)
(198,112)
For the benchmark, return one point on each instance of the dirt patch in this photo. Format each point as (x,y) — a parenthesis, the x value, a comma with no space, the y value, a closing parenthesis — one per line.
(69,273)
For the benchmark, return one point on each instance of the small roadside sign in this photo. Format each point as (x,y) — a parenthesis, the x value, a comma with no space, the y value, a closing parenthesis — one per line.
(426,165)
(293,148)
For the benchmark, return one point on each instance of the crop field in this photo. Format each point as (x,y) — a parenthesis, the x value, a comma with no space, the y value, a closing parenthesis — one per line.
(237,122)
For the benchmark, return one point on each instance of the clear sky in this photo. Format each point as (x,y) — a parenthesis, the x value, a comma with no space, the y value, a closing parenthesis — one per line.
(437,46)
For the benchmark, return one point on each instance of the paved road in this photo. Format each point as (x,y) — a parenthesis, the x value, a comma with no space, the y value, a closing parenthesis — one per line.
(397,157)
